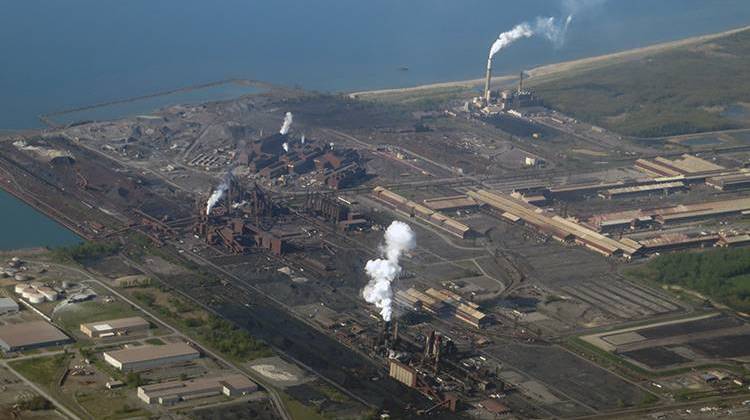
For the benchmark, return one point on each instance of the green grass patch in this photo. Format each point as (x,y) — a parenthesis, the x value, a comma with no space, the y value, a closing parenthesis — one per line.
(83,252)
(299,411)
(72,317)
(109,405)
(45,371)
(721,274)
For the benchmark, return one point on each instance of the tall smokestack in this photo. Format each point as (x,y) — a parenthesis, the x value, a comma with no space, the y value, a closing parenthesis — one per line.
(488,80)
(520,83)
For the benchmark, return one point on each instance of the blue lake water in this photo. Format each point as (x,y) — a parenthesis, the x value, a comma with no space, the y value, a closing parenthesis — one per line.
(66,54)
(21,226)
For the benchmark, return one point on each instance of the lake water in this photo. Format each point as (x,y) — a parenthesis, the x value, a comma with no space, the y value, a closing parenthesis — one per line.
(21,226)
(66,54)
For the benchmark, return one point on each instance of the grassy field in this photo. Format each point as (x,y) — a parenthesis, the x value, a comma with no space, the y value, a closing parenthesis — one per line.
(71,318)
(687,89)
(721,274)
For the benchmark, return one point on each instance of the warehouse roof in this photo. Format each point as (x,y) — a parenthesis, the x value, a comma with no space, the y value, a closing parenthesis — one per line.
(122,323)
(144,353)
(30,333)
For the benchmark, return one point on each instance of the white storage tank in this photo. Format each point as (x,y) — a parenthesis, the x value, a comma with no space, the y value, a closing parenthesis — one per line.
(48,293)
(36,297)
(20,287)
(28,292)
(22,277)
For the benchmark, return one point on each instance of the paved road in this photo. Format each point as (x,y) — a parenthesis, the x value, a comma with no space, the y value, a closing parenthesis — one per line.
(275,397)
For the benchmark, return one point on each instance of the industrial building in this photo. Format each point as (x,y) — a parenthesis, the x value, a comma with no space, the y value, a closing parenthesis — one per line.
(663,188)
(442,303)
(173,392)
(731,182)
(8,306)
(122,326)
(402,373)
(147,357)
(683,166)
(452,203)
(557,227)
(31,335)
(424,213)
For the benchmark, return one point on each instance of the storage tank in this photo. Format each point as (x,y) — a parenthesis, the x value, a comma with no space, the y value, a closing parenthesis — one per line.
(22,277)
(28,292)
(20,287)
(48,293)
(36,297)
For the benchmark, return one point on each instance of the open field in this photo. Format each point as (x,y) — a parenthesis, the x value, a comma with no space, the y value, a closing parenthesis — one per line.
(686,89)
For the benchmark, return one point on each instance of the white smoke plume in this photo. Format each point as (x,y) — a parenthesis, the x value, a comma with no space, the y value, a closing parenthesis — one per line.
(302,140)
(219,192)
(548,27)
(399,238)
(287,124)
(522,30)
(285,145)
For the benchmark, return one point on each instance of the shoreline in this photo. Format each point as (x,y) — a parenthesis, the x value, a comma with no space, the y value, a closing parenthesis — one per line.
(548,70)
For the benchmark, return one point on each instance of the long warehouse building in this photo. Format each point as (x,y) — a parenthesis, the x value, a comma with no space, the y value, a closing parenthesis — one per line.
(558,227)
(148,357)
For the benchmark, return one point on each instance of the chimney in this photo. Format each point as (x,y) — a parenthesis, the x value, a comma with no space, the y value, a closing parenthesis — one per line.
(520,83)
(487,81)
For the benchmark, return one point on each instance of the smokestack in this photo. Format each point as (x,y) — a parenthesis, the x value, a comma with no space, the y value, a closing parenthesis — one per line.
(395,332)
(520,83)
(488,80)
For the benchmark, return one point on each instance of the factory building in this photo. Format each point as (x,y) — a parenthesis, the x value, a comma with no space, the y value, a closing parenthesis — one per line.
(31,335)
(416,300)
(685,165)
(173,392)
(452,203)
(461,309)
(402,373)
(557,227)
(663,188)
(8,306)
(675,241)
(424,213)
(731,182)
(443,304)
(122,326)
(148,357)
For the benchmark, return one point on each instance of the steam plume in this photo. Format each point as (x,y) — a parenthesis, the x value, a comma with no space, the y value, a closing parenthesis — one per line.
(287,124)
(399,238)
(219,192)
(547,27)
(302,140)
(285,145)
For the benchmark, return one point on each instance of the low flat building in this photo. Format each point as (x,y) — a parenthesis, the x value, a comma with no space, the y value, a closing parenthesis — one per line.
(147,357)
(31,335)
(122,326)
(8,306)
(174,392)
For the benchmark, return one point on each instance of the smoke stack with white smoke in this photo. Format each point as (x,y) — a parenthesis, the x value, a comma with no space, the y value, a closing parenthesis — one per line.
(219,192)
(548,27)
(302,140)
(399,238)
(287,124)
(285,146)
